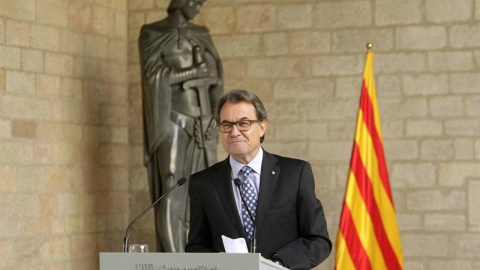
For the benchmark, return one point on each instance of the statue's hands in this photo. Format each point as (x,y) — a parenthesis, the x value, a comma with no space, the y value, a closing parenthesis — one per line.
(194,72)
(201,71)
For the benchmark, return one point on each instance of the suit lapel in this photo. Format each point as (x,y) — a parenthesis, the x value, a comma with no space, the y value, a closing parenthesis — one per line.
(223,184)
(268,181)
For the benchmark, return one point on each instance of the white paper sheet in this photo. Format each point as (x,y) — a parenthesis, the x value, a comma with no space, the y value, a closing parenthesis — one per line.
(234,245)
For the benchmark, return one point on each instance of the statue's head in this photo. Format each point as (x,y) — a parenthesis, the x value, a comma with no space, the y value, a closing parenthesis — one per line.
(189,8)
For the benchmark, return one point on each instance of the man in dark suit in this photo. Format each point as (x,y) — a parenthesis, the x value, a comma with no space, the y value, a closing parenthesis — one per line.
(273,201)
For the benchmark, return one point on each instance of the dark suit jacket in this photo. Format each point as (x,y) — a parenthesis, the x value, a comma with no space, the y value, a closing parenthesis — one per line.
(289,221)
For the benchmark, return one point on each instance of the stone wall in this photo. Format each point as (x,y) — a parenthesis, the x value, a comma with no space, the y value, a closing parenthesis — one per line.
(64,148)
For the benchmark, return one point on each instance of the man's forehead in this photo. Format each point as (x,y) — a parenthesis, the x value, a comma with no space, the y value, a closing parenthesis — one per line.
(238,109)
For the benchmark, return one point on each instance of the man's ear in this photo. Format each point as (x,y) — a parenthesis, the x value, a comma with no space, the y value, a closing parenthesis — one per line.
(263,127)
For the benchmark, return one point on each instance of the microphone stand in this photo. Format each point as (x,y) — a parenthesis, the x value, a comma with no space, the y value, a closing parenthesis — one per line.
(125,239)
(253,246)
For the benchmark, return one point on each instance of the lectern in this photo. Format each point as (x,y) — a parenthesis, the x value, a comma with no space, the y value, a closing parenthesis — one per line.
(185,261)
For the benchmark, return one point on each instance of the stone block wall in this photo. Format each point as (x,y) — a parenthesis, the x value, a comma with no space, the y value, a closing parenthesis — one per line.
(64,147)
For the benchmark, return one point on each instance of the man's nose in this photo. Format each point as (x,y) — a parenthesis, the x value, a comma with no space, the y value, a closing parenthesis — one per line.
(235,132)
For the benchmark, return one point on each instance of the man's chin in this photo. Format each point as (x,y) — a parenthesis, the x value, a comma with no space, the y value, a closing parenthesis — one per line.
(236,151)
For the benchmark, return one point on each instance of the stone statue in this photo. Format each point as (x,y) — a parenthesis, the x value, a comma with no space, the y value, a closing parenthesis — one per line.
(181,84)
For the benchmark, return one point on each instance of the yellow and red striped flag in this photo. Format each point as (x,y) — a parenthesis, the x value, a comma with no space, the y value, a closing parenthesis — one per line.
(368,236)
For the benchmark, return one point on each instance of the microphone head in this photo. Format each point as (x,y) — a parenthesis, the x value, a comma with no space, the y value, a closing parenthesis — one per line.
(182,181)
(237,182)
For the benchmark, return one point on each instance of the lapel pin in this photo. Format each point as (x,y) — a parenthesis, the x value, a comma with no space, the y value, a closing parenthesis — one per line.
(273,172)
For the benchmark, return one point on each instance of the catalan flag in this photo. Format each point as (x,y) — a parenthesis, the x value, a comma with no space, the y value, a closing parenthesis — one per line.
(368,236)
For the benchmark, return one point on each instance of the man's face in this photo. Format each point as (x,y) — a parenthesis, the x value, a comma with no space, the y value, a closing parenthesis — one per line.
(191,8)
(241,145)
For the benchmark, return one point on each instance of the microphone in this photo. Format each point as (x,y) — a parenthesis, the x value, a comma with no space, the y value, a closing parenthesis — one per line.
(125,239)
(253,247)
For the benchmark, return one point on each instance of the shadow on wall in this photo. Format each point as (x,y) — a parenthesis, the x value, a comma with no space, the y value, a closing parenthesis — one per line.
(98,164)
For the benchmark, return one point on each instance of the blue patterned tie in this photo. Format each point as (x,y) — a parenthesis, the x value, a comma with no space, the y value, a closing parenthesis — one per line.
(250,197)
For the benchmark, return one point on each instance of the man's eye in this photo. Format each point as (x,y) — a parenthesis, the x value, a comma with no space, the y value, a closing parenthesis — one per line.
(243,123)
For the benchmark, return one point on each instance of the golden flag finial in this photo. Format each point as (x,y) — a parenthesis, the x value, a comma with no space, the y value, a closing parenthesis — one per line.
(369,46)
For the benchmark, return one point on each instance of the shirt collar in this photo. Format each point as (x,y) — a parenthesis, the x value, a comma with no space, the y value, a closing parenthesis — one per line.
(255,164)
